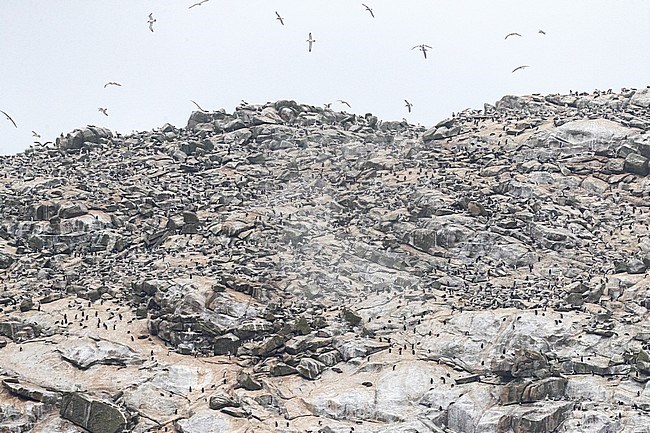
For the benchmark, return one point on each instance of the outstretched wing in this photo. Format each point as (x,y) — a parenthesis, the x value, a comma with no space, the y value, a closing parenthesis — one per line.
(197,105)
(9,118)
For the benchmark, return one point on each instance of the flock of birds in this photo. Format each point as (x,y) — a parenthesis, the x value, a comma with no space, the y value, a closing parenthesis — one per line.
(310,41)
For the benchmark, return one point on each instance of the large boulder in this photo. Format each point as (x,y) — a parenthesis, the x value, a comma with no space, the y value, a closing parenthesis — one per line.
(87,352)
(94,415)
(79,137)
(637,164)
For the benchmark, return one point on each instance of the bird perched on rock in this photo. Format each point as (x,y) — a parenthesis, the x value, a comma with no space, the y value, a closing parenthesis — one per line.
(9,118)
(423,48)
(311,41)
(279,18)
(103,110)
(368,9)
(151,21)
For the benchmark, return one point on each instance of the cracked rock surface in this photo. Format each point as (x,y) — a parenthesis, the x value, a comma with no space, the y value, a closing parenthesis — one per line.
(290,268)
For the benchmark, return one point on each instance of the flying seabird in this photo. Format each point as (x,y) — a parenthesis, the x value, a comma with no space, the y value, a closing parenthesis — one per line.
(368,9)
(103,110)
(408,105)
(512,34)
(198,4)
(198,106)
(520,67)
(542,32)
(344,102)
(279,18)
(151,21)
(9,118)
(36,134)
(311,41)
(112,83)
(423,48)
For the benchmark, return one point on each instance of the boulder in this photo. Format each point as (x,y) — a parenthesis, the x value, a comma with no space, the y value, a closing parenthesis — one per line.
(637,164)
(310,368)
(94,415)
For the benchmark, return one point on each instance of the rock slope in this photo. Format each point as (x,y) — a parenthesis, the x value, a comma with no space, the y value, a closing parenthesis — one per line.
(293,269)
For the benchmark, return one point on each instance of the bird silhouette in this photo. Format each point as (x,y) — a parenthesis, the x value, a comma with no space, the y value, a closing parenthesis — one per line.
(112,83)
(198,4)
(512,34)
(541,31)
(408,105)
(344,102)
(279,18)
(311,41)
(368,9)
(9,118)
(103,110)
(151,21)
(423,48)
(520,67)
(198,106)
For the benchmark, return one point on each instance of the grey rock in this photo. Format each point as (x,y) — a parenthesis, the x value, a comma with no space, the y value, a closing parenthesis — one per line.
(310,368)
(637,164)
(94,415)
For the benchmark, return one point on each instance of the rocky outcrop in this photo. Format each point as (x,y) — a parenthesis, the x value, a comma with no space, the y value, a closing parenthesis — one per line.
(286,267)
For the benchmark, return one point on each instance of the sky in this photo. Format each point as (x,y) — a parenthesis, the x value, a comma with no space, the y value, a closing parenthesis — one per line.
(57,55)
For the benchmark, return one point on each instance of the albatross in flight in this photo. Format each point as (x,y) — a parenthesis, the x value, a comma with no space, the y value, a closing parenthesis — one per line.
(344,102)
(512,34)
(368,9)
(311,41)
(198,4)
(408,105)
(112,83)
(279,18)
(423,48)
(520,67)
(103,110)
(9,118)
(151,21)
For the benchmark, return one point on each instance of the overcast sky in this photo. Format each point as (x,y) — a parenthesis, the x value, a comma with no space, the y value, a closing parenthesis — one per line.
(58,54)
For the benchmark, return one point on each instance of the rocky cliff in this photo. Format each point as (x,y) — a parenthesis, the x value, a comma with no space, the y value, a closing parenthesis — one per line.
(294,269)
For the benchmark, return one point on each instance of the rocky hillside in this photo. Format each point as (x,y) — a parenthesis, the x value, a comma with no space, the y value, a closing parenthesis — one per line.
(287,268)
